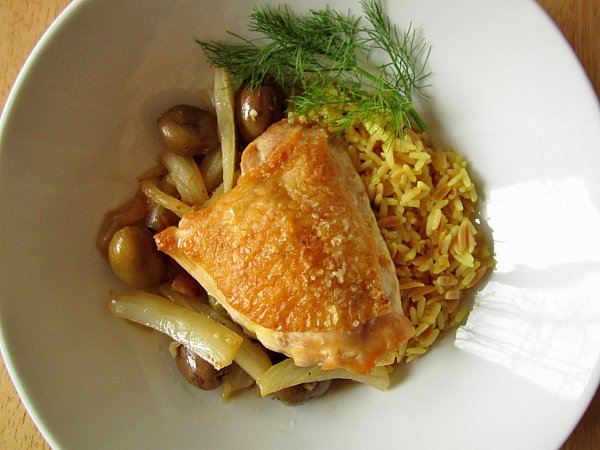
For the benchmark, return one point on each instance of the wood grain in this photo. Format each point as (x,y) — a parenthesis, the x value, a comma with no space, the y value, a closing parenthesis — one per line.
(23,22)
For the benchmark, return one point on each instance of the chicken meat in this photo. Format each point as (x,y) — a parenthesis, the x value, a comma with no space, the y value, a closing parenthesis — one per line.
(295,256)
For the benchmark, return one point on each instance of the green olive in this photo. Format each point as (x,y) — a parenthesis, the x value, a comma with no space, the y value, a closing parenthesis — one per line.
(296,395)
(197,371)
(188,131)
(257,110)
(134,257)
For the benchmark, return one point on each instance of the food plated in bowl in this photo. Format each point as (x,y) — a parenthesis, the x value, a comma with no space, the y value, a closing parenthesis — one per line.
(426,369)
(346,243)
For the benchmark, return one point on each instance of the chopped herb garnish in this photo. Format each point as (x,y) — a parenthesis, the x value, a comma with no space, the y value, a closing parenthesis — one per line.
(326,58)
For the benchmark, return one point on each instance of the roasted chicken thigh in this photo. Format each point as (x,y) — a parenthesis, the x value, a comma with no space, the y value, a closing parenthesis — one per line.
(295,256)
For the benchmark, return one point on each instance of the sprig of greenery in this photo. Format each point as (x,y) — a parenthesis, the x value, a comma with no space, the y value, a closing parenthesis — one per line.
(327,59)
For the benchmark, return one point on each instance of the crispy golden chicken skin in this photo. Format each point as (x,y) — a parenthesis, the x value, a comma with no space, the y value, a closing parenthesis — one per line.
(295,256)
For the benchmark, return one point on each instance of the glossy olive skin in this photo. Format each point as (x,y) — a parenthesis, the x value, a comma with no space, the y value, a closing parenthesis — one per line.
(296,395)
(196,371)
(134,257)
(256,110)
(188,131)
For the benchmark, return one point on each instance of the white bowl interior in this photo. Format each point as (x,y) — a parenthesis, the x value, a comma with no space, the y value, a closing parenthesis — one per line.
(80,127)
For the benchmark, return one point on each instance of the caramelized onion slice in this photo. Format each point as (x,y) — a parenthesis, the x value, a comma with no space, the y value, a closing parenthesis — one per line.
(286,374)
(207,338)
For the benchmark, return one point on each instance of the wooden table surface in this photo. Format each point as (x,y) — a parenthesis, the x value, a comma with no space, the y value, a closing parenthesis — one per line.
(22,22)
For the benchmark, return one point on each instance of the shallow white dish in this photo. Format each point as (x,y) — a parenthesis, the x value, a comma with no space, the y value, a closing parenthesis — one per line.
(79,127)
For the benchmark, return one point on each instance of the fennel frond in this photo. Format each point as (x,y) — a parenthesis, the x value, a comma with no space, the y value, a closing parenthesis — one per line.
(327,59)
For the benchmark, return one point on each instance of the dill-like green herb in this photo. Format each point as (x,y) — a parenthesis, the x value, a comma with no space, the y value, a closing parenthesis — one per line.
(326,58)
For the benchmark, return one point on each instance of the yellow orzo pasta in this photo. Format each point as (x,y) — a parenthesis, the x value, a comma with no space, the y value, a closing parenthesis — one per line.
(425,204)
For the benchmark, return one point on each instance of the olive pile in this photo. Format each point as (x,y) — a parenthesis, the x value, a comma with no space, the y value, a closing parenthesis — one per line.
(127,236)
(188,131)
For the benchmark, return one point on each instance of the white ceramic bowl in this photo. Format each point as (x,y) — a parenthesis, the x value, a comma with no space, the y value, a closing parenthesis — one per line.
(79,127)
